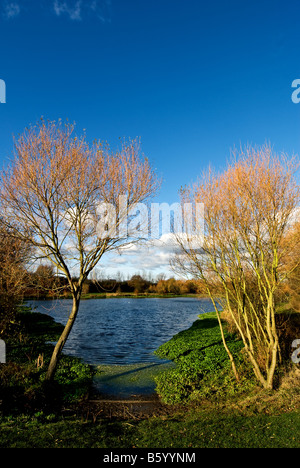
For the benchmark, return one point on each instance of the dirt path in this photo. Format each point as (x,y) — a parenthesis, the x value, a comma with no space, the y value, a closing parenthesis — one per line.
(136,407)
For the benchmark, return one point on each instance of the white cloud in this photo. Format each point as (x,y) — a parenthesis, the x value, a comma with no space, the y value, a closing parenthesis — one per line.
(73,11)
(11,10)
(78,9)
(102,9)
(150,256)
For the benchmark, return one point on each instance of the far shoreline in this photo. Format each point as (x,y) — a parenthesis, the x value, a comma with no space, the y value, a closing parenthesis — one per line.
(115,296)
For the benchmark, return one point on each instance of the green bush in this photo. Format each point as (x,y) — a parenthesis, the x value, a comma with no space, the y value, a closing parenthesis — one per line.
(74,378)
(22,381)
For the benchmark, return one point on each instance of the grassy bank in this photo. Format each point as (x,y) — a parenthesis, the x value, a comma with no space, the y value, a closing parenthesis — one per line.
(22,378)
(202,365)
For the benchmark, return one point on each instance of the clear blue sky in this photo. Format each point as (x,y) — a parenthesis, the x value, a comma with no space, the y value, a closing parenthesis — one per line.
(192,78)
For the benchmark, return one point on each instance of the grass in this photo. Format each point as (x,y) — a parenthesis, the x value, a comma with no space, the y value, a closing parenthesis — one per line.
(212,429)
(191,429)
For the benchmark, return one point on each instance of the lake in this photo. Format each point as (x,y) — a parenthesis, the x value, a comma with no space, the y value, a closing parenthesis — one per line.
(122,331)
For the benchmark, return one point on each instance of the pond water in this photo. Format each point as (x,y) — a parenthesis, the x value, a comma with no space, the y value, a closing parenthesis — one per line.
(123,331)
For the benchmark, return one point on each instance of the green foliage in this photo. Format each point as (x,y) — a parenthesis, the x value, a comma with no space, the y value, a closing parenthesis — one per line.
(74,378)
(22,378)
(203,368)
(205,328)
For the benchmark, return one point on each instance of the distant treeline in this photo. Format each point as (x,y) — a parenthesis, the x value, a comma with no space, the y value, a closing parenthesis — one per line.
(44,283)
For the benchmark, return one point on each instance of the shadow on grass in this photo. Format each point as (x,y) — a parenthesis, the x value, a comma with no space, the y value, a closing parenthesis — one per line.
(127,380)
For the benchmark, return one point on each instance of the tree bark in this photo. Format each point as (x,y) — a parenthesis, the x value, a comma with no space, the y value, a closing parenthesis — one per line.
(231,358)
(63,338)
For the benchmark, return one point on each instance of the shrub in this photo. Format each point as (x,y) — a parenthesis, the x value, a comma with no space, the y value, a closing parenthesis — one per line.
(22,379)
(74,378)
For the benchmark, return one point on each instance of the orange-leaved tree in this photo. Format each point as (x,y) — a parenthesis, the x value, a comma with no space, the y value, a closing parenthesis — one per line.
(242,255)
(62,195)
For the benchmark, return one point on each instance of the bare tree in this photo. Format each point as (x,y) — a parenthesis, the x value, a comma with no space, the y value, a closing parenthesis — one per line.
(14,255)
(58,190)
(243,254)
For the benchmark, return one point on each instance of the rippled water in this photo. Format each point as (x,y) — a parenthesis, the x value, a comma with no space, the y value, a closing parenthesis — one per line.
(123,331)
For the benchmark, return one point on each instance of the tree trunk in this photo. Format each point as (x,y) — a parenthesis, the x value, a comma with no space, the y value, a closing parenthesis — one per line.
(272,368)
(233,366)
(63,338)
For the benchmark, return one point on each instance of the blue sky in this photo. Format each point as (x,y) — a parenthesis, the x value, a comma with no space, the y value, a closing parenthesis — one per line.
(191,78)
